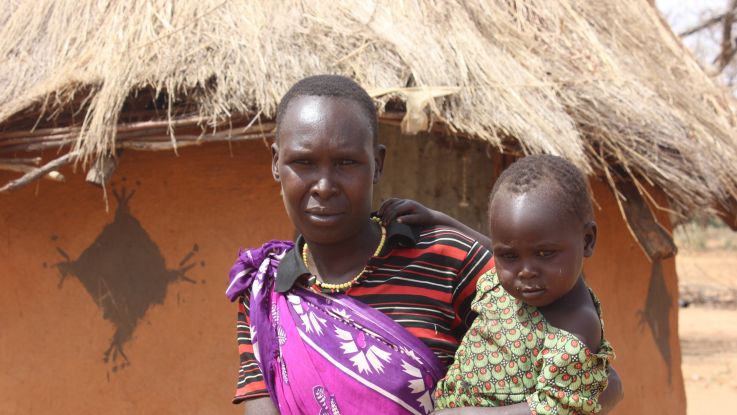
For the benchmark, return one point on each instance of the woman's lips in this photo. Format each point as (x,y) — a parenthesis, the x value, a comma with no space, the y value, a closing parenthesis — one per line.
(322,217)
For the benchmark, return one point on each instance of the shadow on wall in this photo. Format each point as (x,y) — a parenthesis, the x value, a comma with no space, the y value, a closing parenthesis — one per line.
(658,306)
(125,274)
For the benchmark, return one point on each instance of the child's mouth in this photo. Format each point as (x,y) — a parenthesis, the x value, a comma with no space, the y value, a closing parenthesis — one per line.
(531,292)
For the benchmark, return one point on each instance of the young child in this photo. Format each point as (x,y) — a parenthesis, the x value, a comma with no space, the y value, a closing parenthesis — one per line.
(538,338)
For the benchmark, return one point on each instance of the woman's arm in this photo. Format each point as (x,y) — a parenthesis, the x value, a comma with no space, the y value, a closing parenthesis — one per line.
(261,406)
(414,213)
(249,375)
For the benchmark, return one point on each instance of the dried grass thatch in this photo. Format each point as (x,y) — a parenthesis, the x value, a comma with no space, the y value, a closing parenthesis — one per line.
(603,83)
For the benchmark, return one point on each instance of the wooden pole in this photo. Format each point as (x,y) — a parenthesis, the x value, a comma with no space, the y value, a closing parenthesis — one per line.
(39,172)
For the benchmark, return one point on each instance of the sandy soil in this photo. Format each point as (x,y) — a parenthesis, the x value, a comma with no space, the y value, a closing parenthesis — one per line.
(709,347)
(708,330)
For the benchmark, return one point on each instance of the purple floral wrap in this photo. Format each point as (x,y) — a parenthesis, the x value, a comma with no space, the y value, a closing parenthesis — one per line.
(329,354)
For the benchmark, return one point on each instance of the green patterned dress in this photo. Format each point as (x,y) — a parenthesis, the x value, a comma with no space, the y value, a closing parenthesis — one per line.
(511,355)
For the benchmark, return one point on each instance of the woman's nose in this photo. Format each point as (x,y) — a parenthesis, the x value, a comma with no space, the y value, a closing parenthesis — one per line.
(324,186)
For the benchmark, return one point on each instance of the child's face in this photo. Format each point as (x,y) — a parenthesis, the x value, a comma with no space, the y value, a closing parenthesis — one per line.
(538,248)
(326,163)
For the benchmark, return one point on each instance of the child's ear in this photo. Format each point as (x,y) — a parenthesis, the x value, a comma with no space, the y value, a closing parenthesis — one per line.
(589,238)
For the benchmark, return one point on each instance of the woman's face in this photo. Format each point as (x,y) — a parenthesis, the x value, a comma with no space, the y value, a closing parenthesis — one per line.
(538,248)
(326,162)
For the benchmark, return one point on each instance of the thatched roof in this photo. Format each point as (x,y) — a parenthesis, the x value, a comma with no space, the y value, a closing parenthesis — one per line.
(603,83)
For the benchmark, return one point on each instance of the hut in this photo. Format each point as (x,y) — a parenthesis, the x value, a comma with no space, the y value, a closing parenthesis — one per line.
(111,296)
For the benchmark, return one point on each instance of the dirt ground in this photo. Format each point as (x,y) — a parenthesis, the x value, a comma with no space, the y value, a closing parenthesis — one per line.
(707,271)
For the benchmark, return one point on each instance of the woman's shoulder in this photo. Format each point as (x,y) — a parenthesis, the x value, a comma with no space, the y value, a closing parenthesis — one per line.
(255,263)
(273,250)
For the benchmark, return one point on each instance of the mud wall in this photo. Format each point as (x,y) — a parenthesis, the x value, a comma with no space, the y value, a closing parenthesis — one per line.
(124,312)
(640,301)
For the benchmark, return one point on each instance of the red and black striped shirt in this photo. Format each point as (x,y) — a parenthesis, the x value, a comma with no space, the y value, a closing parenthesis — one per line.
(424,279)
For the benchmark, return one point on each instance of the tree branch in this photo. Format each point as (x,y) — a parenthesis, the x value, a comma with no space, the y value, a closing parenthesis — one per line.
(728,51)
(703,25)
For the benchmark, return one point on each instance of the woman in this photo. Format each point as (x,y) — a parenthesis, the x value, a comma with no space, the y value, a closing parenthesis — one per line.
(356,317)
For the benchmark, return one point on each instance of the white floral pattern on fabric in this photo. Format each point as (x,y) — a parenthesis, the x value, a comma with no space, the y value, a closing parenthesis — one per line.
(411,353)
(365,358)
(284,371)
(281,335)
(419,385)
(343,313)
(274,314)
(258,283)
(311,322)
(296,303)
(328,405)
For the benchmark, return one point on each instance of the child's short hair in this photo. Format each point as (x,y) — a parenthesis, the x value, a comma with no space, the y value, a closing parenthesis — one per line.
(331,86)
(552,174)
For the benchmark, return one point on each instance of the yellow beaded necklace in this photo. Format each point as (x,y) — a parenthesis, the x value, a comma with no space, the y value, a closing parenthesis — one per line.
(314,282)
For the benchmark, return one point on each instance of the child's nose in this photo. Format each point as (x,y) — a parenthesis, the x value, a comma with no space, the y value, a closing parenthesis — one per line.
(526,273)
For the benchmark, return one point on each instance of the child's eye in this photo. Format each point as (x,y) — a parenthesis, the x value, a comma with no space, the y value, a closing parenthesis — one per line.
(506,256)
(346,162)
(545,252)
(301,162)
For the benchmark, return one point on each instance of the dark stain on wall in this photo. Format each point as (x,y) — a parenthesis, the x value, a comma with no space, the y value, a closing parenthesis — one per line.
(658,305)
(125,274)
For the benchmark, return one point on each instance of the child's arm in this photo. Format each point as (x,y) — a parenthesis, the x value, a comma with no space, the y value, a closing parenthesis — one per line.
(608,399)
(554,389)
(414,213)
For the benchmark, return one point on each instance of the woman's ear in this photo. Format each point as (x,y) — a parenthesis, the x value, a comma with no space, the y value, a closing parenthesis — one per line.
(275,162)
(379,154)
(589,238)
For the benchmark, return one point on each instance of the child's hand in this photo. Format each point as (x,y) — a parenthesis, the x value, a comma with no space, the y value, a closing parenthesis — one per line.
(406,211)
(414,213)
